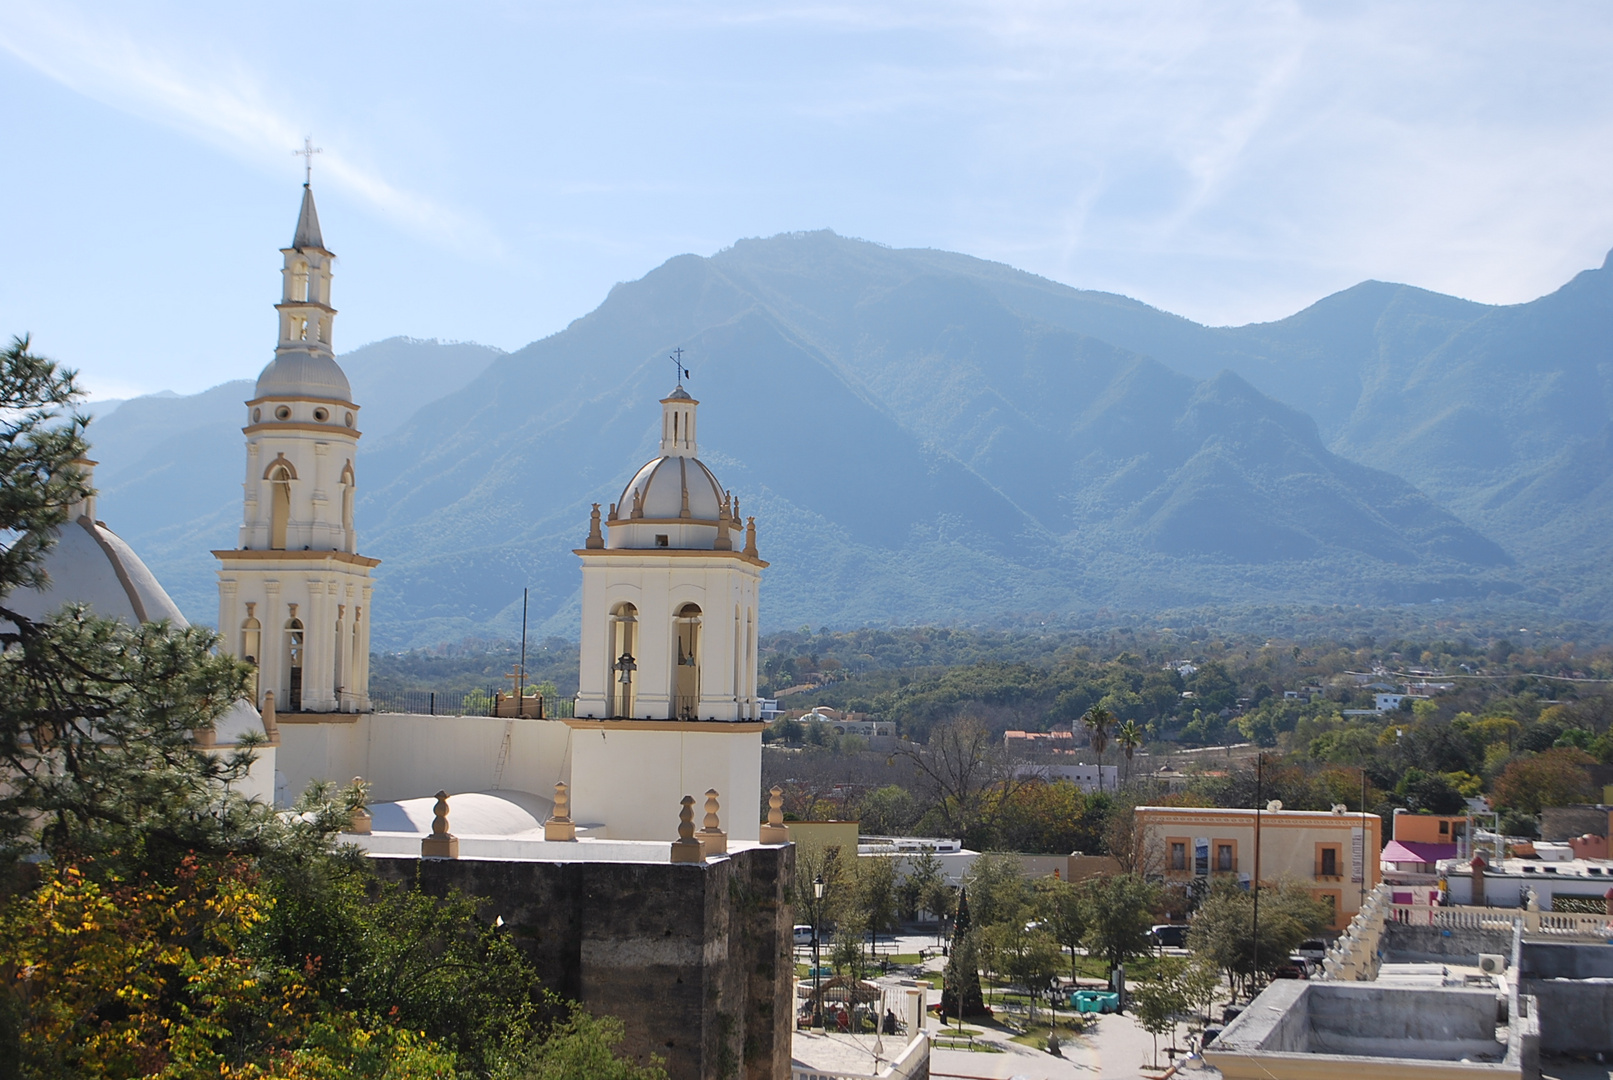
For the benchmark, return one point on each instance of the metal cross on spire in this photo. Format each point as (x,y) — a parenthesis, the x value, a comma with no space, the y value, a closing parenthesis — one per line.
(307,153)
(677,362)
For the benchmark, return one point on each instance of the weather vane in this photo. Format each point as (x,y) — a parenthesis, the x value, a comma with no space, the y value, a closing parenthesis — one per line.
(307,152)
(677,362)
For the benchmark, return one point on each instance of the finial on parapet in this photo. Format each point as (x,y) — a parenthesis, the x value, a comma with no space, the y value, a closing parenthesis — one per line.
(270,727)
(359,818)
(560,826)
(686,848)
(750,538)
(713,841)
(775,831)
(724,510)
(595,538)
(441,844)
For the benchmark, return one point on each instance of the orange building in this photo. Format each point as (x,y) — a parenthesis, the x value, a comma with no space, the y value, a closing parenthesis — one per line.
(1333,852)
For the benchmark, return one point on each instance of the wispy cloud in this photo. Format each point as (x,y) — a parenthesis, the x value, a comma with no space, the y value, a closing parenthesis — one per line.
(210,94)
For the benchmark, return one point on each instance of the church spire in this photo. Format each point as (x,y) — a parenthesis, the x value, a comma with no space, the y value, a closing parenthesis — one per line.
(307,235)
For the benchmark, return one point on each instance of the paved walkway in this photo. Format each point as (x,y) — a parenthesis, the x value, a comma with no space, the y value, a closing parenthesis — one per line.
(1115,1047)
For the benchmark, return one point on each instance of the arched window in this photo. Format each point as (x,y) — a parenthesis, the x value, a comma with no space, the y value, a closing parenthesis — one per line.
(294,657)
(623,659)
(252,646)
(686,674)
(279,505)
(299,281)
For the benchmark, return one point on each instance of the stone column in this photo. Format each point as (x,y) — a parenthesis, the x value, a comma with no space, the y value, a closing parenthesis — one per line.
(229,618)
(272,669)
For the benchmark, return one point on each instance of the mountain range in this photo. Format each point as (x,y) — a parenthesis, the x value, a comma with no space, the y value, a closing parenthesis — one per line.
(929,437)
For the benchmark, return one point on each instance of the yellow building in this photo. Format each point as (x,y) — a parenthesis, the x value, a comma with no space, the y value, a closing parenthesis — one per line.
(1333,852)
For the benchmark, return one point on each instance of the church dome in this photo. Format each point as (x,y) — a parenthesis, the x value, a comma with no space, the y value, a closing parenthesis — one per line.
(90,564)
(658,490)
(300,373)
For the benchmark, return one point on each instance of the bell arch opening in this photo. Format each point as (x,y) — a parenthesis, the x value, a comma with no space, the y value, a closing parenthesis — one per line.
(294,660)
(279,506)
(623,659)
(686,672)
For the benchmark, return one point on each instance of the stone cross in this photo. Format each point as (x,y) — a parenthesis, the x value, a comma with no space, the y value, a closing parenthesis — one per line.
(441,844)
(560,826)
(686,849)
(713,841)
(775,831)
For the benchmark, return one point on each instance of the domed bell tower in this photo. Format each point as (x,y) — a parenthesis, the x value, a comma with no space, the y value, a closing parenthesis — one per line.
(294,594)
(669,617)
(667,702)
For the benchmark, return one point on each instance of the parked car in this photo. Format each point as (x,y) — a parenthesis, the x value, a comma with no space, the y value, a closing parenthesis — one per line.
(1231,1013)
(1210,1035)
(803,935)
(1095,1001)
(1170,935)
(1294,969)
(1315,950)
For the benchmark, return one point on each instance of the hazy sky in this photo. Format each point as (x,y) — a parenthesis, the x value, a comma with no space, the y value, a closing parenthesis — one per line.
(490,170)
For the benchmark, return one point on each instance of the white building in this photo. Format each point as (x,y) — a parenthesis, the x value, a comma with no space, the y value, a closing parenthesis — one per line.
(294,594)
(1085,777)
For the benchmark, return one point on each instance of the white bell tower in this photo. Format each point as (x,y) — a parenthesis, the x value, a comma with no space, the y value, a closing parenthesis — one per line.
(669,639)
(294,594)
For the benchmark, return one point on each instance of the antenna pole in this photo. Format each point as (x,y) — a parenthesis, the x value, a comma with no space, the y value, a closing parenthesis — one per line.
(520,691)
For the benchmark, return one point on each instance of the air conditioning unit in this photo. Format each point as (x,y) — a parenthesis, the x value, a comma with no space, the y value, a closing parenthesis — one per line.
(1492,963)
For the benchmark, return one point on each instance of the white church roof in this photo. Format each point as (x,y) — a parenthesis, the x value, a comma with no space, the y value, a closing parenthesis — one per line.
(472,813)
(90,564)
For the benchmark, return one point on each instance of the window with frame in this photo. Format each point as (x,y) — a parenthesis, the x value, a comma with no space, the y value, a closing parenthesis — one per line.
(1330,862)
(1223,858)
(1178,855)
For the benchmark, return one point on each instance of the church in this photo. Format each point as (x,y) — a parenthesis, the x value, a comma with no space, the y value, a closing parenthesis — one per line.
(667,702)
(622,845)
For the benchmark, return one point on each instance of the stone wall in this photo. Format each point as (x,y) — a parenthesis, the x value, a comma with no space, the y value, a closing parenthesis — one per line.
(1403,943)
(694,959)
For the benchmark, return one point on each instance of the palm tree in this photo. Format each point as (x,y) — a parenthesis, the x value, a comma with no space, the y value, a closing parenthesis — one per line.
(1097,721)
(1129,737)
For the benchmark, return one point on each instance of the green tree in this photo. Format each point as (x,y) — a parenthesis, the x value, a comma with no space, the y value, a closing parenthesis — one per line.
(925,888)
(1119,915)
(580,1047)
(960,981)
(997,888)
(1556,777)
(1158,1001)
(1223,928)
(1062,910)
(1098,721)
(1129,737)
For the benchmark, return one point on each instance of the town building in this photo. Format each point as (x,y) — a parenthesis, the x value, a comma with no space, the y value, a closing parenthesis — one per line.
(1333,853)
(1420,841)
(836,722)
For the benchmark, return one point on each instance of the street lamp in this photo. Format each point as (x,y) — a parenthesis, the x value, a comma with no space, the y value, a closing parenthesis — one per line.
(817,907)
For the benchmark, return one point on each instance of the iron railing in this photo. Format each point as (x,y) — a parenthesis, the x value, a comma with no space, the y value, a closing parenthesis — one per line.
(457,703)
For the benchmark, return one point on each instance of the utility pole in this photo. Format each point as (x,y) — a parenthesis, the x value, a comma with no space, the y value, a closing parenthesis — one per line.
(1254,966)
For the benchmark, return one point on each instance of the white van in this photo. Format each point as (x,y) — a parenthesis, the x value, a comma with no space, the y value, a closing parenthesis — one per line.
(803,935)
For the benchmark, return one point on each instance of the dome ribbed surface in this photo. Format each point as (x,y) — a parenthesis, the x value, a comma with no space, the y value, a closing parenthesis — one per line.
(304,374)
